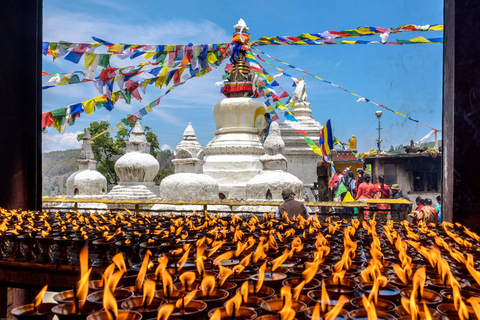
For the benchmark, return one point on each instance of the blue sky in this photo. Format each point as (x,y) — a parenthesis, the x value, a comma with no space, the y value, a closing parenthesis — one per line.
(406,78)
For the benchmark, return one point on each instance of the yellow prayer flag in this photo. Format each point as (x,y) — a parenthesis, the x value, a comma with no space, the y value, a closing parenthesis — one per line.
(349,41)
(211,58)
(169,48)
(420,40)
(63,81)
(309,36)
(100,99)
(317,150)
(436,28)
(348,198)
(270,79)
(89,106)
(116,48)
(149,109)
(120,125)
(89,57)
(400,114)
(363,30)
(164,71)
(148,55)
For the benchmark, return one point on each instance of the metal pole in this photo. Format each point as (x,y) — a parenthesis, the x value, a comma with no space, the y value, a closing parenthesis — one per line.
(379,135)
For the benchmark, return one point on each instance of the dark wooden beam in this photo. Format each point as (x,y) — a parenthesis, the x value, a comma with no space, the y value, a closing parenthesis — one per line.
(21,104)
(461,114)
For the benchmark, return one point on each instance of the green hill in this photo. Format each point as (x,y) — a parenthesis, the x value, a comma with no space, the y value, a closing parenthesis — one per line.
(57,166)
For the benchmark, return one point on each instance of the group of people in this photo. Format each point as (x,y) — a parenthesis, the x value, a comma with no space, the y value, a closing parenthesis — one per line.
(362,188)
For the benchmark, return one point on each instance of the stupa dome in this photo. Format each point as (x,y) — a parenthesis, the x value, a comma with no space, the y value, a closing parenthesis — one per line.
(269,183)
(189,183)
(87,180)
(137,164)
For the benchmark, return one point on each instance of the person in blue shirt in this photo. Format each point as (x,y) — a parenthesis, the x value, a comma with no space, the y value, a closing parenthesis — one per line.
(439,208)
(266,128)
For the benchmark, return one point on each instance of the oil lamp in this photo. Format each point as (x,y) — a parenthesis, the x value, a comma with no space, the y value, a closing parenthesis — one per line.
(35,311)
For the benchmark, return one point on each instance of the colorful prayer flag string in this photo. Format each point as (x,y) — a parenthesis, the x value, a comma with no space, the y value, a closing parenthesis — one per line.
(307,38)
(361,98)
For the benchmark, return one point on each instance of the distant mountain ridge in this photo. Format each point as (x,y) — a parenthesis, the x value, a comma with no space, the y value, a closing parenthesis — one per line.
(57,166)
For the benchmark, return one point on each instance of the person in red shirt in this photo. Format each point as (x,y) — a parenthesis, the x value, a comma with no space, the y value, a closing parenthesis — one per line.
(420,204)
(360,180)
(365,192)
(381,191)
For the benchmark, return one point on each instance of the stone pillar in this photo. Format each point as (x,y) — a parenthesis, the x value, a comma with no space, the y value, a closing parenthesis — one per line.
(461,114)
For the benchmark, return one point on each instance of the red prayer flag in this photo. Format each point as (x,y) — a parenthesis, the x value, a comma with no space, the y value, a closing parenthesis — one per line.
(334,179)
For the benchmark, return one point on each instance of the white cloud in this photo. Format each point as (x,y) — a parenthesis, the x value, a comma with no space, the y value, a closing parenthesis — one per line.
(166,147)
(62,24)
(55,141)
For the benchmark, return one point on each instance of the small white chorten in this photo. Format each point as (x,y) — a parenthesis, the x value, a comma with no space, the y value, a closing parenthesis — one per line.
(269,184)
(136,169)
(189,183)
(302,161)
(87,180)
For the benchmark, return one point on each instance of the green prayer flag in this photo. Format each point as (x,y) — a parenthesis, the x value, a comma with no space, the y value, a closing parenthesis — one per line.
(59,113)
(74,79)
(104,60)
(341,189)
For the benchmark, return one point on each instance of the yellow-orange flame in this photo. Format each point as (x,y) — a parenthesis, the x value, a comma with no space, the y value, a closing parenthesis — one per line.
(187,279)
(167,283)
(281,259)
(310,271)
(185,300)
(162,265)
(184,258)
(39,298)
(234,304)
(83,257)
(316,312)
(215,246)
(261,276)
(325,299)
(120,262)
(223,274)
(199,258)
(142,271)
(298,289)
(259,253)
(208,285)
(401,273)
(82,286)
(419,280)
(475,303)
(225,256)
(335,311)
(165,311)
(287,312)
(148,292)
(110,303)
(378,283)
(244,291)
(370,307)
(217,315)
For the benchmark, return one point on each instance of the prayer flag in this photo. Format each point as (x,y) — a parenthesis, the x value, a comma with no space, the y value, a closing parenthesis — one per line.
(341,190)
(348,198)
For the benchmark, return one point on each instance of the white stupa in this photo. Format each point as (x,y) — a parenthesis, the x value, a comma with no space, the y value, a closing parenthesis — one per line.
(136,169)
(269,184)
(189,183)
(87,180)
(302,161)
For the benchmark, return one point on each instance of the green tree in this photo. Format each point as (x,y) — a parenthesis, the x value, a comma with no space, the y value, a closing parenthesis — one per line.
(107,150)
